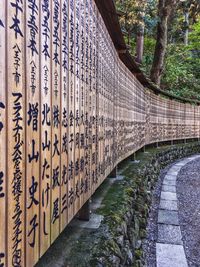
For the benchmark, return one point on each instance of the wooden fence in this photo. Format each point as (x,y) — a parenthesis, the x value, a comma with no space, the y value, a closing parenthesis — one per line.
(70,111)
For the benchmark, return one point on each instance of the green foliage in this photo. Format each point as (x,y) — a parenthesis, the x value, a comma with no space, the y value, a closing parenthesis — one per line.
(149,46)
(131,11)
(195,38)
(181,74)
(134,15)
(182,69)
(151,18)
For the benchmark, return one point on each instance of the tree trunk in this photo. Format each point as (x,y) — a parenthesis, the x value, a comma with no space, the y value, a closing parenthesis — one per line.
(186,27)
(164,10)
(140,45)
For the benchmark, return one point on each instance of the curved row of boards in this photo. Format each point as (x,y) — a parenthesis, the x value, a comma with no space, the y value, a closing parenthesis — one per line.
(70,111)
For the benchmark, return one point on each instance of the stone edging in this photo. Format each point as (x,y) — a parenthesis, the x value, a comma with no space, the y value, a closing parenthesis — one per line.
(169,246)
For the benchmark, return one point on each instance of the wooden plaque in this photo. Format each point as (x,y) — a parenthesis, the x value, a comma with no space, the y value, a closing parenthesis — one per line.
(65,111)
(3,135)
(71,141)
(16,121)
(56,119)
(45,124)
(32,131)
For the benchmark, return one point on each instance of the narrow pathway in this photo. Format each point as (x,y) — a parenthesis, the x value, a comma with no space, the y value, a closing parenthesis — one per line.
(169,246)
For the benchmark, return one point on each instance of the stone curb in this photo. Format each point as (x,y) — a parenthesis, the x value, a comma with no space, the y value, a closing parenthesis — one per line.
(169,246)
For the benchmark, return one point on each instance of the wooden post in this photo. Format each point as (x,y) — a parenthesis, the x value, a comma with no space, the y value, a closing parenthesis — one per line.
(133,156)
(113,174)
(84,212)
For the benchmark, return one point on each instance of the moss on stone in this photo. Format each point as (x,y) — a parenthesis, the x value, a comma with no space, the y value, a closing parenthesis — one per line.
(134,193)
(125,209)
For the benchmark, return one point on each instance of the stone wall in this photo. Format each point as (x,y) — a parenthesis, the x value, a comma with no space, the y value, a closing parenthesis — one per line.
(124,224)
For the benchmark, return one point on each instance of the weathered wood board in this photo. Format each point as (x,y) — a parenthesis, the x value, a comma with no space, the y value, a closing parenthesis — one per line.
(71,141)
(32,77)
(77,90)
(45,124)
(16,138)
(56,119)
(64,111)
(82,102)
(3,135)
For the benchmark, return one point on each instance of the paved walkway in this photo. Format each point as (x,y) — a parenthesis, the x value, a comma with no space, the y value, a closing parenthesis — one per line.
(169,246)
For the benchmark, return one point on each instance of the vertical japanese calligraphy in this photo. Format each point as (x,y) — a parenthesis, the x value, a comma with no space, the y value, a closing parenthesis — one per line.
(100,98)
(45,124)
(32,131)
(87,169)
(16,132)
(82,102)
(96,90)
(71,135)
(105,122)
(77,107)
(56,119)
(3,148)
(93,95)
(64,111)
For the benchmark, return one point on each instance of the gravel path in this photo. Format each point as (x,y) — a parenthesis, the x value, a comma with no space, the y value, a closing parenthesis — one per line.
(149,245)
(163,233)
(188,192)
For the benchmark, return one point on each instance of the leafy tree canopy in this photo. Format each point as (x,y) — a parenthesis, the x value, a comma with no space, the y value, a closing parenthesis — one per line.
(181,74)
